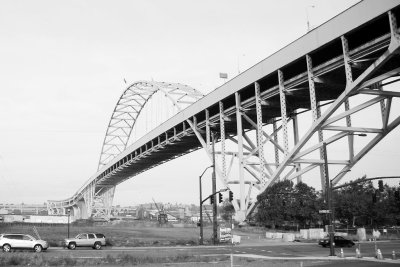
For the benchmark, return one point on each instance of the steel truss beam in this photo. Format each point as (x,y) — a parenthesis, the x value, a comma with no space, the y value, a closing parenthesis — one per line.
(366,83)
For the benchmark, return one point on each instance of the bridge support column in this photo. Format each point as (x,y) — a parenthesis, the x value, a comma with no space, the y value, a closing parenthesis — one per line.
(260,135)
(283,112)
(102,203)
(88,197)
(296,140)
(76,213)
(222,131)
(241,214)
(316,113)
(349,81)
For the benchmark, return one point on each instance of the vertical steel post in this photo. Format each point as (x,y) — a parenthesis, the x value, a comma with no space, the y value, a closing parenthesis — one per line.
(242,211)
(275,130)
(349,80)
(260,139)
(214,189)
(207,130)
(315,113)
(296,140)
(222,131)
(283,112)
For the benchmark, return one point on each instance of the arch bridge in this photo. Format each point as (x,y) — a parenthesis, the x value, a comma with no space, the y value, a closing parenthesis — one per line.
(274,121)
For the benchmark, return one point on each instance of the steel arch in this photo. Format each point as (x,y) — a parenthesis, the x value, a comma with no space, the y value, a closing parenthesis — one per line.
(129,107)
(98,199)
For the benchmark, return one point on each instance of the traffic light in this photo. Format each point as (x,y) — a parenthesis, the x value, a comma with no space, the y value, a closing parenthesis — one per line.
(219,197)
(211,199)
(380,185)
(230,196)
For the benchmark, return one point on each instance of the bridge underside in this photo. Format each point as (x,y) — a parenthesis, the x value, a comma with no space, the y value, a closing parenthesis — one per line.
(274,121)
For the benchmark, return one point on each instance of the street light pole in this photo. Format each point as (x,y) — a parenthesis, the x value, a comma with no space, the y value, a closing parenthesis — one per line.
(328,200)
(69,212)
(201,213)
(201,207)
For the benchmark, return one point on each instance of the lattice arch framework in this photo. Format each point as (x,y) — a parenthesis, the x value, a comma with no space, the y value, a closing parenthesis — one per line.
(98,199)
(129,107)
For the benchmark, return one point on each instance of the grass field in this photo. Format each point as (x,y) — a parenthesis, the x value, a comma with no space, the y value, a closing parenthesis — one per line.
(43,259)
(128,234)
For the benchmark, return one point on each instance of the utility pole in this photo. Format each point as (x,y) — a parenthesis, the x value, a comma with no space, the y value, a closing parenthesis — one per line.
(69,213)
(201,214)
(214,189)
(329,202)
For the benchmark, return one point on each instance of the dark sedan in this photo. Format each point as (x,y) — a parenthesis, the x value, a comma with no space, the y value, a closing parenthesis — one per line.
(338,241)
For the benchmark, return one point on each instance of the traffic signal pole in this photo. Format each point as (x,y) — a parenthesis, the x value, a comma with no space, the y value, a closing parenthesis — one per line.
(201,206)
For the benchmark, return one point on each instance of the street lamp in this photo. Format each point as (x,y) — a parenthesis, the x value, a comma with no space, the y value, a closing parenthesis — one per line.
(69,212)
(201,206)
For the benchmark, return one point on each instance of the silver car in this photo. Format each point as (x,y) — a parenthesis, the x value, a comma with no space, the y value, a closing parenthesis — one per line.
(21,241)
(96,241)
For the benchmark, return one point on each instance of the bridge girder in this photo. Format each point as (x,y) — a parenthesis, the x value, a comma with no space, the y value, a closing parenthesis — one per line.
(262,116)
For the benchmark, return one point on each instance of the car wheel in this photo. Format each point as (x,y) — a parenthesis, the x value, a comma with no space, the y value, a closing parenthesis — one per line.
(37,248)
(71,245)
(349,245)
(6,248)
(97,245)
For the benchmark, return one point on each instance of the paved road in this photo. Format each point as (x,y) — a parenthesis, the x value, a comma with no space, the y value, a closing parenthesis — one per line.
(263,249)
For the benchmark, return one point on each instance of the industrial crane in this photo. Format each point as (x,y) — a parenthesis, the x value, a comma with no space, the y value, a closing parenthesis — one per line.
(162,216)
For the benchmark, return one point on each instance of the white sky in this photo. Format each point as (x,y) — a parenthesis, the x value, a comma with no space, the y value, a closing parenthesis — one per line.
(62,66)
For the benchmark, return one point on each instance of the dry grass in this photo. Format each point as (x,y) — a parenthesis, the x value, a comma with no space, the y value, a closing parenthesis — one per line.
(131,234)
(25,259)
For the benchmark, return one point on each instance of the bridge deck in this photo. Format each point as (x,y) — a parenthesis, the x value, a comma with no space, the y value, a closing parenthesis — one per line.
(367,30)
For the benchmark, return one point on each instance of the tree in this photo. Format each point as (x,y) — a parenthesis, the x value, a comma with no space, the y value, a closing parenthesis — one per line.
(307,204)
(275,204)
(353,204)
(227,211)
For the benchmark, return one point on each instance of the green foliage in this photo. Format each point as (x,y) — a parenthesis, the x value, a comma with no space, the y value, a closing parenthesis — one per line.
(354,202)
(275,204)
(353,205)
(227,211)
(307,204)
(285,202)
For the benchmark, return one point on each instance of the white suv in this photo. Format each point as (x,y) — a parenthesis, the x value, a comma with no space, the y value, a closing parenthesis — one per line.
(96,241)
(21,241)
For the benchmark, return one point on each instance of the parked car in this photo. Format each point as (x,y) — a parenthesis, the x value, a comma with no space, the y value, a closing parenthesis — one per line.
(338,241)
(21,241)
(96,241)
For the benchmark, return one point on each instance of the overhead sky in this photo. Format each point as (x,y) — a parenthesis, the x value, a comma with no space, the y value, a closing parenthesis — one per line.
(62,70)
